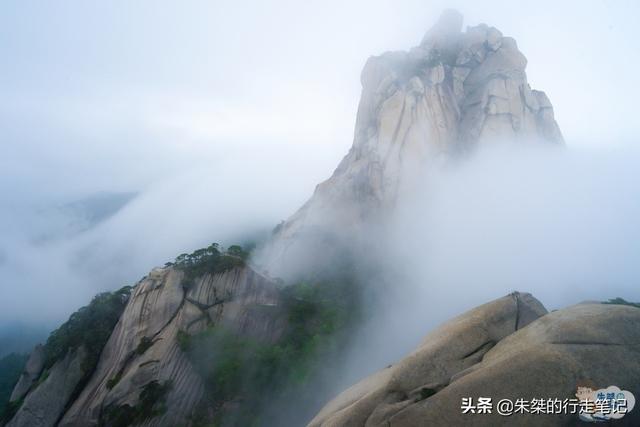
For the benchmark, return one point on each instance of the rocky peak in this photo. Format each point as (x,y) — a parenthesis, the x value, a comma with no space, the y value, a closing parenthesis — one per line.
(453,92)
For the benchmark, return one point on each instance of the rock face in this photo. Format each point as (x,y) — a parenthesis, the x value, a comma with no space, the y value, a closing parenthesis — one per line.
(506,349)
(452,92)
(30,375)
(159,308)
(44,406)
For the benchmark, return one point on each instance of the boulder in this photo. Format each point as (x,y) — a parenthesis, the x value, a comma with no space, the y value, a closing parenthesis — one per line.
(540,358)
(452,348)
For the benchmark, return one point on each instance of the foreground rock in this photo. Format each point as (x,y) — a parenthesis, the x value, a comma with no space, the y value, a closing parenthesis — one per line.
(499,350)
(454,91)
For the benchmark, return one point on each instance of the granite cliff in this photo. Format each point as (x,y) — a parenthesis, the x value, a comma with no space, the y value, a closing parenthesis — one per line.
(418,108)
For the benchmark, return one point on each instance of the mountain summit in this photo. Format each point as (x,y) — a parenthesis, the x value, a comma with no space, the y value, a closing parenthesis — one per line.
(454,91)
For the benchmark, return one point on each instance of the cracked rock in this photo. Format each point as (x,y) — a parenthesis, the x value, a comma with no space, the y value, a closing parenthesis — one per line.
(535,355)
(454,347)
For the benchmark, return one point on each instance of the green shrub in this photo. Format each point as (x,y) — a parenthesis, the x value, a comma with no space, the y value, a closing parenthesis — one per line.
(241,369)
(9,410)
(43,377)
(184,341)
(90,326)
(621,301)
(237,251)
(211,259)
(151,403)
(145,343)
(112,382)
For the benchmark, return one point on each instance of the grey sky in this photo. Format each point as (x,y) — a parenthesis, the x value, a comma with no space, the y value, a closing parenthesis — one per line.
(88,86)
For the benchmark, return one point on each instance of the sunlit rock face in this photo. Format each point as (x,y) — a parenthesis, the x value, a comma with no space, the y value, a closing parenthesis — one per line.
(453,92)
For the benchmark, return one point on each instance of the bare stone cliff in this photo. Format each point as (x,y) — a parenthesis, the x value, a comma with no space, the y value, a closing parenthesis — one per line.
(445,96)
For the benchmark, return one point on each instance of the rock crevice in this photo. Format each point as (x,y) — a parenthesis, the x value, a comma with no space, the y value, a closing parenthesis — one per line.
(545,356)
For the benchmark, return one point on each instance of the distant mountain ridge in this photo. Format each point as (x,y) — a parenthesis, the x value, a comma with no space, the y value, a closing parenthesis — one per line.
(77,216)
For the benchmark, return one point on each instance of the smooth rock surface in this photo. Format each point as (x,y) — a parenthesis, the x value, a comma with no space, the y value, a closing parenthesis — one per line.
(30,375)
(544,359)
(45,404)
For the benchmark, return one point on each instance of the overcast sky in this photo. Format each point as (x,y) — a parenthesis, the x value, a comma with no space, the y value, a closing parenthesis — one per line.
(259,97)
(93,88)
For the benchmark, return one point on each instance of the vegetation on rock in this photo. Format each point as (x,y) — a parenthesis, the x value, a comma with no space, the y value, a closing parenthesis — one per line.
(212,259)
(90,327)
(621,301)
(239,371)
(112,382)
(145,343)
(151,403)
(9,410)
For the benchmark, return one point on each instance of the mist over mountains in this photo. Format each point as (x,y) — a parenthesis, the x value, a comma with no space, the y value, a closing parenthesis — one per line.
(114,127)
(459,188)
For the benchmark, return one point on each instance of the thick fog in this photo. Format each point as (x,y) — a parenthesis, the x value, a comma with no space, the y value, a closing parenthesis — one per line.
(560,223)
(213,121)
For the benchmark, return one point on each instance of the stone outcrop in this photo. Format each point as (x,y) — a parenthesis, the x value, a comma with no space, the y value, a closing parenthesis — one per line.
(30,374)
(452,92)
(46,403)
(144,347)
(506,349)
